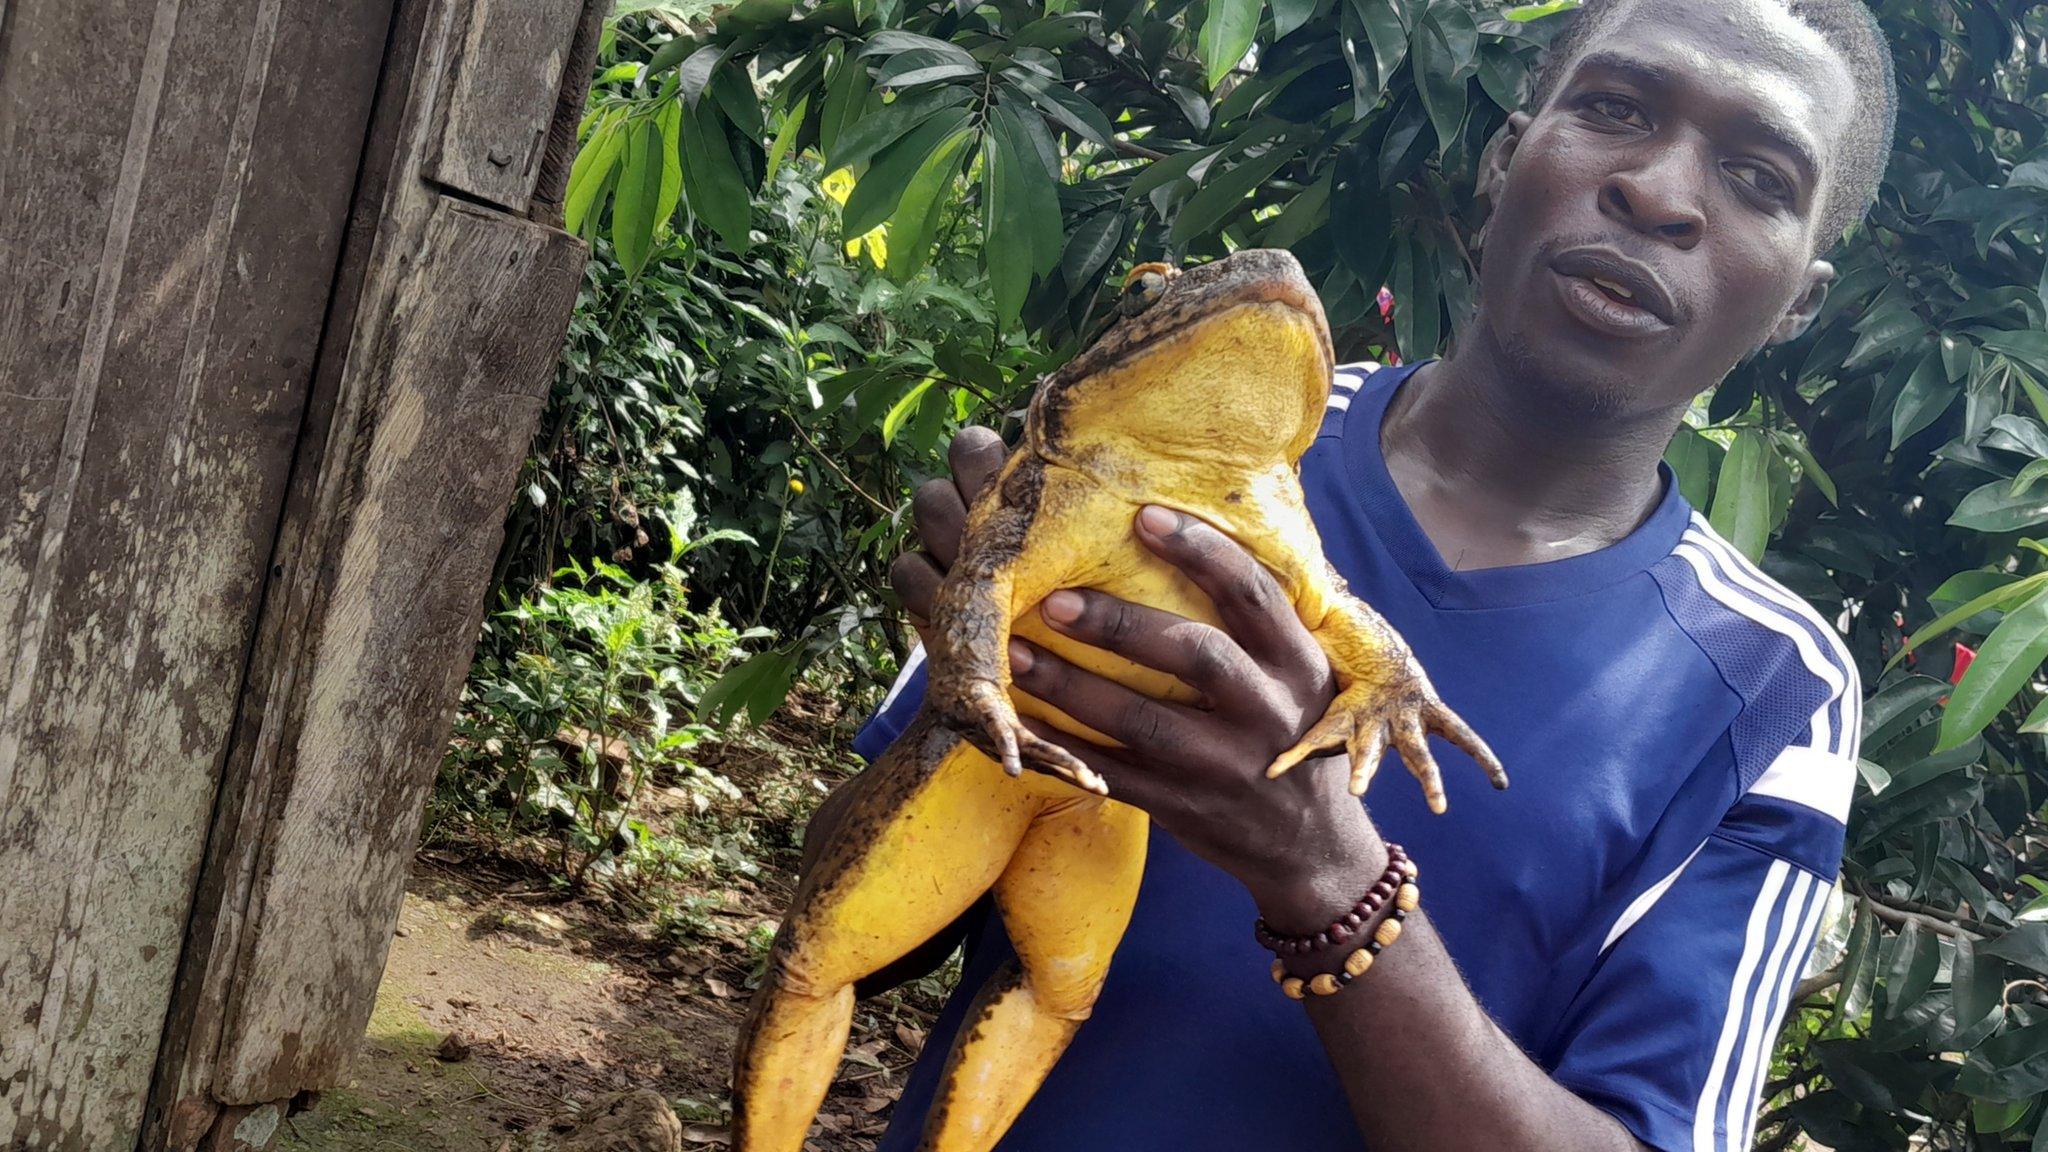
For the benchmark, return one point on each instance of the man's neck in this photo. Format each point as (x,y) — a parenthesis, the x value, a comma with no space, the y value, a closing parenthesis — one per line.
(1498,474)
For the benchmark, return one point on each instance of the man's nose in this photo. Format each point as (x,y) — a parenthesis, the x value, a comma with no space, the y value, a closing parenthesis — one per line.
(1658,197)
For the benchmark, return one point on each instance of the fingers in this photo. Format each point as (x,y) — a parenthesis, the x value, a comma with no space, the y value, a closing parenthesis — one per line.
(975,456)
(1151,729)
(1449,725)
(1255,609)
(916,582)
(1119,777)
(1204,658)
(940,516)
(1413,744)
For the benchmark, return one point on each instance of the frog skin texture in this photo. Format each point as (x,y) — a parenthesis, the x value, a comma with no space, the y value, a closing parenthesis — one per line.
(1203,401)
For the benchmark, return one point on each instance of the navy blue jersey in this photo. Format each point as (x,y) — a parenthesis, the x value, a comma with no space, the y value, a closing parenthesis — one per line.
(1634,911)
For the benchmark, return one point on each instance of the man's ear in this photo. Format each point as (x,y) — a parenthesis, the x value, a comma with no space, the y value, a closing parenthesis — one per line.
(1493,167)
(1799,317)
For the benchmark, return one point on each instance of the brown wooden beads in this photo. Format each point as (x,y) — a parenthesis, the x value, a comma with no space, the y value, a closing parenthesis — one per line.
(1405,897)
(1400,870)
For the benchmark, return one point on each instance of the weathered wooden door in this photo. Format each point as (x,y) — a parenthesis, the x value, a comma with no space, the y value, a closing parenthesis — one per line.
(279,299)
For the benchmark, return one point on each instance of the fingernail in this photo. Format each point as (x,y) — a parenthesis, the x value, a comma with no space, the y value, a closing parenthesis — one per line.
(1159,521)
(1063,607)
(1020,657)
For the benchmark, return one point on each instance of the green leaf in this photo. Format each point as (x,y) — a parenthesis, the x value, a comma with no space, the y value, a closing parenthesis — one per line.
(1387,33)
(1522,13)
(880,189)
(711,178)
(1504,77)
(1091,245)
(1926,396)
(1897,707)
(1007,254)
(920,67)
(2008,658)
(1417,322)
(1979,997)
(695,74)
(1222,192)
(903,409)
(1885,332)
(1692,458)
(2029,347)
(1993,508)
(1291,14)
(1742,495)
(785,136)
(757,685)
(1077,115)
(1955,357)
(1227,35)
(2029,476)
(916,221)
(1808,466)
(1039,205)
(635,214)
(1997,599)
(593,164)
(670,120)
(1442,43)
(1915,958)
(2026,945)
(869,134)
(1859,964)
(846,100)
(1159,173)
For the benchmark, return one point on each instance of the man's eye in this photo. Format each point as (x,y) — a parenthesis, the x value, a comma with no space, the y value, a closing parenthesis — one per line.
(1618,109)
(1765,181)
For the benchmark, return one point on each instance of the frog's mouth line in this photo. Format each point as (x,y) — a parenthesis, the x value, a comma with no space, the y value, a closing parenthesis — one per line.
(1180,312)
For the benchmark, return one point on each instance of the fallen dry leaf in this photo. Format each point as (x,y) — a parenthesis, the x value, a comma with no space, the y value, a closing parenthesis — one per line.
(719,988)
(910,1036)
(707,1134)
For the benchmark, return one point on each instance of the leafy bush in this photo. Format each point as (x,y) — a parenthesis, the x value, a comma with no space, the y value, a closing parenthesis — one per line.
(1008,160)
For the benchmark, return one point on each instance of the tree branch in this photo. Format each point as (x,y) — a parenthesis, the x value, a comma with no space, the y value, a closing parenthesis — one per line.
(1889,911)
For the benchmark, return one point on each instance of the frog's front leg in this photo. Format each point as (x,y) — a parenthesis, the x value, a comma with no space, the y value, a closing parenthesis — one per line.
(1011,557)
(1383,697)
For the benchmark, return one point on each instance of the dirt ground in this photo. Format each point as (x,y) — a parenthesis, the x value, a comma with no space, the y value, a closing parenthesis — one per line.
(507,1005)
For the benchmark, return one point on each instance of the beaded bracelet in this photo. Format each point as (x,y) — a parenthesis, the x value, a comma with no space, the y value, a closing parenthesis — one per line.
(1406,898)
(1399,870)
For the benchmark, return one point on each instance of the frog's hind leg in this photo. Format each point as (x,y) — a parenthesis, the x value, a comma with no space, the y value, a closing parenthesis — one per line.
(1066,899)
(920,845)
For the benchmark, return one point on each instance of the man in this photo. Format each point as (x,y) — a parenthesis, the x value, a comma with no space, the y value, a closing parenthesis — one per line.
(1605,950)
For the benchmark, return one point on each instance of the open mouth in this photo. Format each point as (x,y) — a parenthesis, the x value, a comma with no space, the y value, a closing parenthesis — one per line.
(1613,294)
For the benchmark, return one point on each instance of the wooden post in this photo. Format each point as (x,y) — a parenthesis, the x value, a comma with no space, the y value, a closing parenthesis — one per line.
(284,297)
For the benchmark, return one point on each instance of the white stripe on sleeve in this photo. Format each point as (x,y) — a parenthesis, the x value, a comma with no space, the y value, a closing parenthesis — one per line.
(1818,780)
(1756,939)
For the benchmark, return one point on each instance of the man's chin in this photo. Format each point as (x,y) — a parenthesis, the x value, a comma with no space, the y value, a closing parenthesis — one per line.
(1577,379)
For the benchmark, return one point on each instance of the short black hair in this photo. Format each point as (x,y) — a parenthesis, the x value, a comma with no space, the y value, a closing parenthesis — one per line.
(1851,28)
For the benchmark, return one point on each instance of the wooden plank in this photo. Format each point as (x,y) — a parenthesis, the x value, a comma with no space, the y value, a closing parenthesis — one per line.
(155,348)
(558,156)
(463,365)
(501,98)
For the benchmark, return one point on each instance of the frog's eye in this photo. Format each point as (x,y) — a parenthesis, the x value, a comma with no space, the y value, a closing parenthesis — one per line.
(1144,286)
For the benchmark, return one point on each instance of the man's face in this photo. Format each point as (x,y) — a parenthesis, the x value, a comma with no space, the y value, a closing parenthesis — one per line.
(1656,219)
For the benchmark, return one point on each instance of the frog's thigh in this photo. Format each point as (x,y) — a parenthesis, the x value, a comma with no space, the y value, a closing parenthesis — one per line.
(1067,896)
(906,866)
(1066,899)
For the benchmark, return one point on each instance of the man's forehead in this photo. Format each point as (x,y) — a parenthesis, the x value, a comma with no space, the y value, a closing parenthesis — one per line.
(1752,50)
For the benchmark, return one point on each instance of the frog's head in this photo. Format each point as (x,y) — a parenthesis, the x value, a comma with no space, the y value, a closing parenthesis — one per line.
(1230,360)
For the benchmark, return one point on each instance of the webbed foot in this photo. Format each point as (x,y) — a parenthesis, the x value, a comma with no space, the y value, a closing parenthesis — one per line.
(1365,718)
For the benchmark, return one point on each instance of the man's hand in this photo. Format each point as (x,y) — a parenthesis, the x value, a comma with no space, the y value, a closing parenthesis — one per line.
(939,512)
(1301,844)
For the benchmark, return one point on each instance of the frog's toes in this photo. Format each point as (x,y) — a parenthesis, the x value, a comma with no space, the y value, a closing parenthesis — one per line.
(983,711)
(1364,719)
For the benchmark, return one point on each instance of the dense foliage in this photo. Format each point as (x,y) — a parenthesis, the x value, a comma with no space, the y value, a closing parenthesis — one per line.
(831,232)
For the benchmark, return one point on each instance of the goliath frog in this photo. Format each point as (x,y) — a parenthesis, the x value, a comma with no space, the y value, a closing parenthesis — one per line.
(1202,399)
